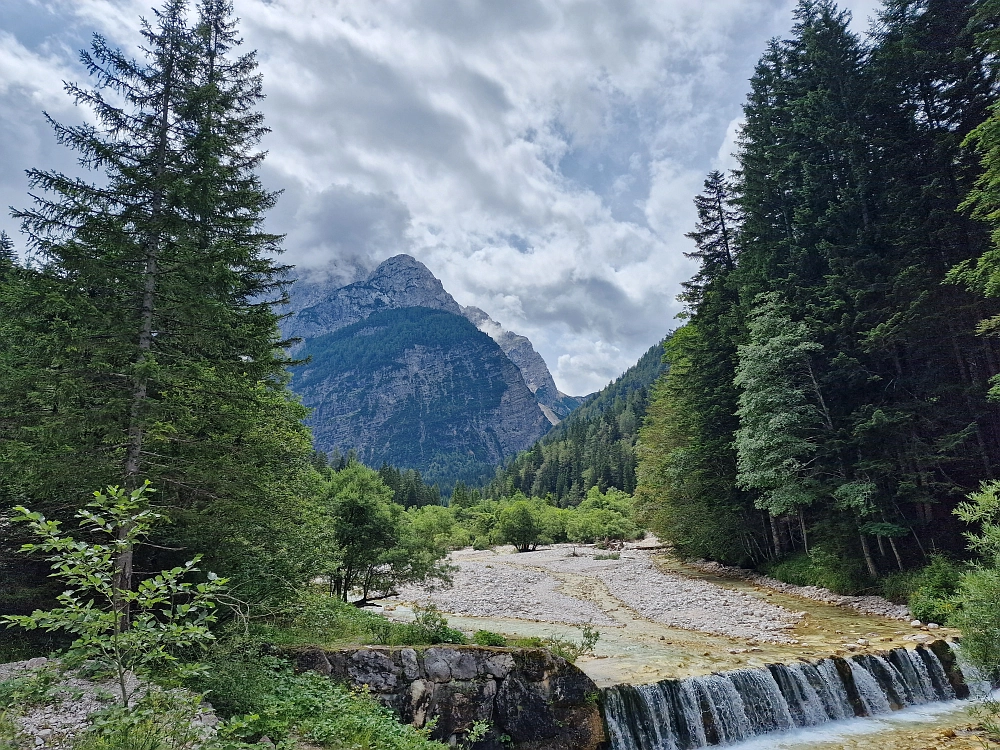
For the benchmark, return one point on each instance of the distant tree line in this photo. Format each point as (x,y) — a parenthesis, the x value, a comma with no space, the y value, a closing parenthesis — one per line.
(593,447)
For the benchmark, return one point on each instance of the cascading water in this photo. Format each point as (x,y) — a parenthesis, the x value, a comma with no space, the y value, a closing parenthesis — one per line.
(728,707)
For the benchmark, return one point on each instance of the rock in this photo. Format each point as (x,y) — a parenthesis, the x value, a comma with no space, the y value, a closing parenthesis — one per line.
(932,626)
(38,661)
(400,406)
(916,624)
(411,668)
(537,377)
(540,701)
(862,642)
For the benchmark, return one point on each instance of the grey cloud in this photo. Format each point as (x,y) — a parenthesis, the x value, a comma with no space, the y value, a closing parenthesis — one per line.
(539,156)
(342,232)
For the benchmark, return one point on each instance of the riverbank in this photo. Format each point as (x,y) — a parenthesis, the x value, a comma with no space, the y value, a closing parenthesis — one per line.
(657,616)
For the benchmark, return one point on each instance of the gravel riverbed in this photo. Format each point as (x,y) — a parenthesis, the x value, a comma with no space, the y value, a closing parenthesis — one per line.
(506,584)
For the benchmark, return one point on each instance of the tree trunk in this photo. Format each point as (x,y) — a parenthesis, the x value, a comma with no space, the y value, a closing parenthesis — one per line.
(868,556)
(775,536)
(151,246)
(895,551)
(802,527)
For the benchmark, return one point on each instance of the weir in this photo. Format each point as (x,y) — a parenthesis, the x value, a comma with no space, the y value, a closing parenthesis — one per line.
(727,707)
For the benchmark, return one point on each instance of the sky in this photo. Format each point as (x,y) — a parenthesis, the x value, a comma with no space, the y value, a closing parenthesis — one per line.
(539,156)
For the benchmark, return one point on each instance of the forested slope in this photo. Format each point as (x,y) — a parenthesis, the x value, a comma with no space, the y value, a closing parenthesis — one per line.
(593,447)
(829,391)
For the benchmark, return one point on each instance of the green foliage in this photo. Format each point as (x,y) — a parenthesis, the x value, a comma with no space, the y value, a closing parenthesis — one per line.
(778,416)
(862,381)
(593,447)
(823,568)
(408,487)
(141,341)
(432,622)
(487,638)
(31,689)
(159,720)
(933,589)
(131,629)
(687,490)
(373,544)
(520,524)
(602,517)
(979,588)
(10,737)
(529,522)
(565,648)
(264,697)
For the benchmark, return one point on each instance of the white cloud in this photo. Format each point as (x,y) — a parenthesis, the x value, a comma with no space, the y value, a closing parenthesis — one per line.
(540,156)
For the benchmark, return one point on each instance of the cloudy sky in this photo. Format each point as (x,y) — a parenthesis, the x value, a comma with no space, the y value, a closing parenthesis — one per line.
(539,156)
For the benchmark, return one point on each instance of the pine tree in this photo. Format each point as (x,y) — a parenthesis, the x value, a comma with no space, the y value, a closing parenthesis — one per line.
(154,349)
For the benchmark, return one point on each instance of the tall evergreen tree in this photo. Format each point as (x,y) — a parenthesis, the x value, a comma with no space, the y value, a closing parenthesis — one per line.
(152,348)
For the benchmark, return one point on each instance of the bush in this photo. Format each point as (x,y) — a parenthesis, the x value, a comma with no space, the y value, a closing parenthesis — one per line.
(313,708)
(820,567)
(9,735)
(159,720)
(563,647)
(429,620)
(932,599)
(260,695)
(488,638)
(35,688)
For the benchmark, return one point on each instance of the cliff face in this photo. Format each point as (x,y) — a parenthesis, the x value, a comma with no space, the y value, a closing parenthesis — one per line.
(401,281)
(556,404)
(531,699)
(419,388)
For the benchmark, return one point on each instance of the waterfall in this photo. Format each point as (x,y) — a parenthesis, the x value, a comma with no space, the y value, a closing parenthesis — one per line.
(727,707)
(979,684)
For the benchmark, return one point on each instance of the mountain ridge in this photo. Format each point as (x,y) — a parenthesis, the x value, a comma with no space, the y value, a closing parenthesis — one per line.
(401,282)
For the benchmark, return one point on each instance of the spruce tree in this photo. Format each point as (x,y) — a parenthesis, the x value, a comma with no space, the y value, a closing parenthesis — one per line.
(153,347)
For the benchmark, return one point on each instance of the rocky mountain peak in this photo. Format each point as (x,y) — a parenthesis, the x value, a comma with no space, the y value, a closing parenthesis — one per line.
(403,281)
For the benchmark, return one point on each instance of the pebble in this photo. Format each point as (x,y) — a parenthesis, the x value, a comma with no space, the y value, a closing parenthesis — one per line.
(73,699)
(867,605)
(519,585)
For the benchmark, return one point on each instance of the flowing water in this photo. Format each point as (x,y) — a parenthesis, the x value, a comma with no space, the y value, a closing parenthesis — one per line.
(729,708)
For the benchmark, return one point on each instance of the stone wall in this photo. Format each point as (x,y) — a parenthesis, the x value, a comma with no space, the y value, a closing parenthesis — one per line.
(531,699)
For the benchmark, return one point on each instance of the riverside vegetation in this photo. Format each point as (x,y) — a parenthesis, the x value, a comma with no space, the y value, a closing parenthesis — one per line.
(827,414)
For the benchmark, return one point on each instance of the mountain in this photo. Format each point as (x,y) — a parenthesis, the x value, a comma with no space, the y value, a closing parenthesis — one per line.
(403,281)
(418,388)
(593,446)
(556,404)
(400,281)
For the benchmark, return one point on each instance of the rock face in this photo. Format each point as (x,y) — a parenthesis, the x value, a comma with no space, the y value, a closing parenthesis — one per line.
(401,281)
(418,388)
(534,699)
(556,404)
